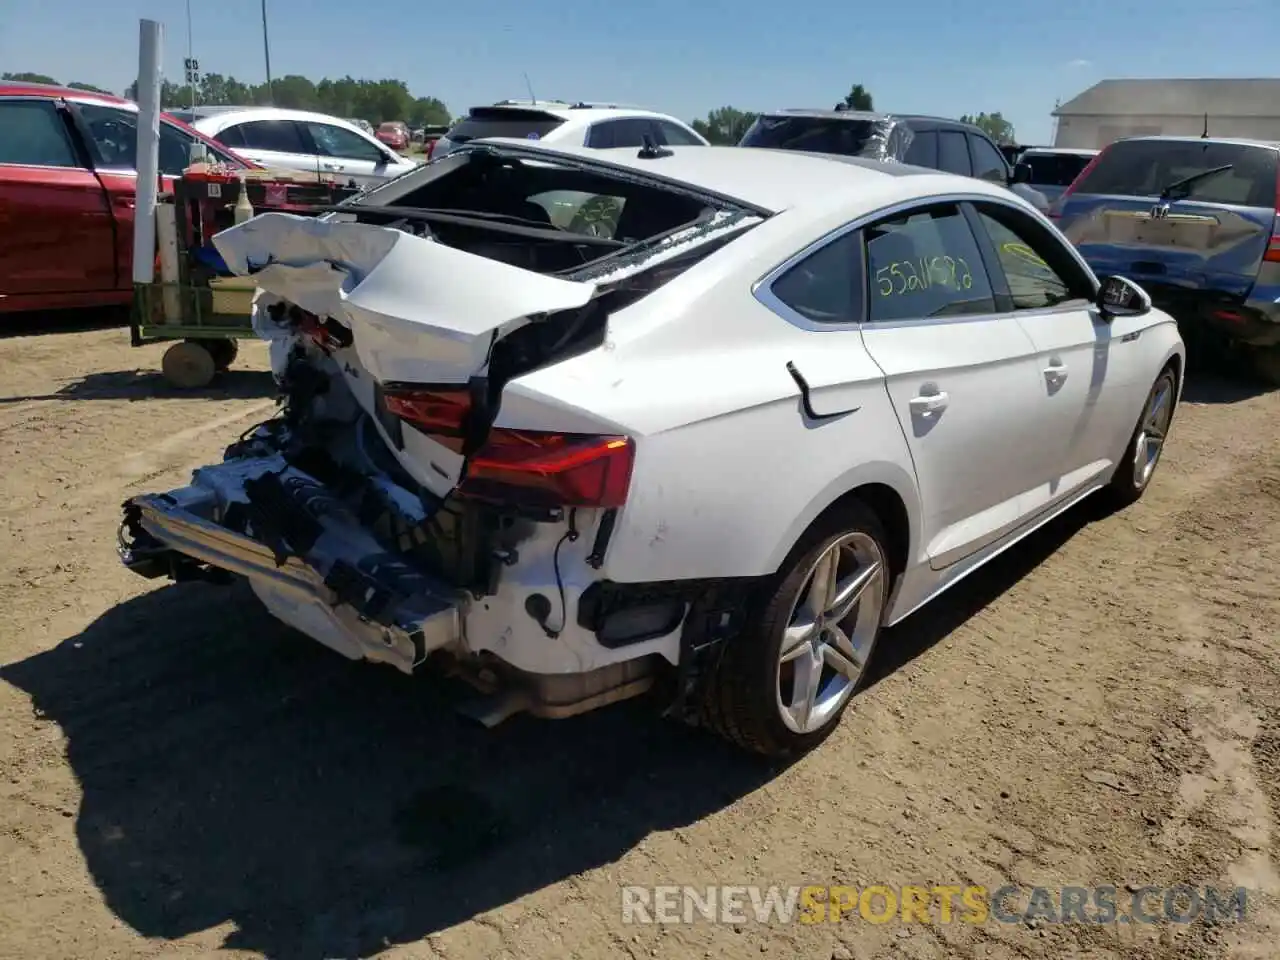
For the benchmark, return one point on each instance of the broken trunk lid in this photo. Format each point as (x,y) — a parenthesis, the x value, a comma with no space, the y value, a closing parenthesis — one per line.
(420,311)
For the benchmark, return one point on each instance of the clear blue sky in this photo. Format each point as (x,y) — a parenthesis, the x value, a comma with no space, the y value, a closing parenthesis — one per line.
(681,56)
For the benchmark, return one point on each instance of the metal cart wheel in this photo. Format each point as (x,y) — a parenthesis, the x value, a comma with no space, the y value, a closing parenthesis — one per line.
(224,352)
(189,365)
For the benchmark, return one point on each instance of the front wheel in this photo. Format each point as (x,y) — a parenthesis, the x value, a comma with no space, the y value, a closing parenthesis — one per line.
(781,686)
(1138,466)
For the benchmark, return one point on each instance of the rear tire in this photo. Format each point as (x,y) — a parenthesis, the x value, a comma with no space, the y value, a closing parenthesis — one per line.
(1266,364)
(1142,455)
(817,621)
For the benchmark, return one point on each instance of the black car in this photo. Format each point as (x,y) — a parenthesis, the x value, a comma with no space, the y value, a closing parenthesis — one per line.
(941,144)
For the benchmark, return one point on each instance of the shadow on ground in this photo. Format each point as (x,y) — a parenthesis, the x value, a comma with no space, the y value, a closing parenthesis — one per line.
(234,771)
(151,385)
(43,323)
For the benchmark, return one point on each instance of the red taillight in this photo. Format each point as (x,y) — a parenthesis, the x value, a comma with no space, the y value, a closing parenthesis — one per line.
(528,467)
(1272,253)
(438,413)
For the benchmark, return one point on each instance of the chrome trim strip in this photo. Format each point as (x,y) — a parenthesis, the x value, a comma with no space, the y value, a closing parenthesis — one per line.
(762,289)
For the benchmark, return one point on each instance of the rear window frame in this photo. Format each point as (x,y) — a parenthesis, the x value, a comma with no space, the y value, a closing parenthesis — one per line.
(542,122)
(1266,198)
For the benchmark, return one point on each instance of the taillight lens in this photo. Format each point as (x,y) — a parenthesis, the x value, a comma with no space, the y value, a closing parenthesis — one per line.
(1272,253)
(525,467)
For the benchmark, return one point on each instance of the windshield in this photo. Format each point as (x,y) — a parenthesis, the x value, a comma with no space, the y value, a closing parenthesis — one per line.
(850,138)
(1143,168)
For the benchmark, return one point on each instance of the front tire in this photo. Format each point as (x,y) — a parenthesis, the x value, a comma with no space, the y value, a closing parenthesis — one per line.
(1142,456)
(781,686)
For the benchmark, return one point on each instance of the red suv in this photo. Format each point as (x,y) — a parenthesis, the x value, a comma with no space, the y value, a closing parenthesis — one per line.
(67,190)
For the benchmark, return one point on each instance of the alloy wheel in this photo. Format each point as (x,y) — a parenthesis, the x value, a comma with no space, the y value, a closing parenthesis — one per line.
(829,636)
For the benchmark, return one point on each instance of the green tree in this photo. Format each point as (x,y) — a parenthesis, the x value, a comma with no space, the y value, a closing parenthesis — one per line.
(725,126)
(372,100)
(993,124)
(89,87)
(858,98)
(23,77)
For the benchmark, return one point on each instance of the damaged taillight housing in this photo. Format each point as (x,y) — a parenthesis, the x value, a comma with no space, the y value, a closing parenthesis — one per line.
(521,467)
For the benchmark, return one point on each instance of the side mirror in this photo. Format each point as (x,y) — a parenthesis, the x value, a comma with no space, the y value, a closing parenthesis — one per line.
(1121,297)
(1022,173)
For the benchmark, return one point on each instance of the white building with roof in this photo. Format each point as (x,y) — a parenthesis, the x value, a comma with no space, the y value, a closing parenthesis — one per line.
(1113,109)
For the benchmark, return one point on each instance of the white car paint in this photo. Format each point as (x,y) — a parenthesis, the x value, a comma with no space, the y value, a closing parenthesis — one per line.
(578,124)
(324,144)
(983,427)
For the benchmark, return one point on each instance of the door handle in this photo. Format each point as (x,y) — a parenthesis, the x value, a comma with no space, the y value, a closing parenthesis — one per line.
(930,404)
(1055,373)
(334,166)
(129,203)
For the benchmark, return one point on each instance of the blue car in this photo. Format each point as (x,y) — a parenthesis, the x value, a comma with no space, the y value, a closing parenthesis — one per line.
(1195,222)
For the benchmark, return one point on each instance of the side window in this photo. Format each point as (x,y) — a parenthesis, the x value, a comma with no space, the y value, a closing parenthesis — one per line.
(335,142)
(926,265)
(826,286)
(1040,273)
(115,140)
(988,162)
(628,132)
(953,153)
(233,136)
(676,135)
(281,136)
(33,134)
(923,150)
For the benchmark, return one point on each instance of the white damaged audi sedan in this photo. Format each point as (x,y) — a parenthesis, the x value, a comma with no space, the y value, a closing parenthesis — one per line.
(583,424)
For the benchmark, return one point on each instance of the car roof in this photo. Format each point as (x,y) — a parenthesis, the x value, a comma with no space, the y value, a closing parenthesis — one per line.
(24,88)
(866,115)
(579,110)
(217,120)
(1066,151)
(1238,141)
(773,180)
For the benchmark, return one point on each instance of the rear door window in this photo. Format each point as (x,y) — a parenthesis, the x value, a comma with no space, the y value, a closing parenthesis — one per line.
(953,153)
(923,151)
(625,132)
(924,265)
(988,162)
(1143,168)
(32,133)
(278,136)
(485,122)
(676,135)
(115,141)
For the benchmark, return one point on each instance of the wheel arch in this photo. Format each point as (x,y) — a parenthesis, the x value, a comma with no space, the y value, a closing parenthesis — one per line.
(887,490)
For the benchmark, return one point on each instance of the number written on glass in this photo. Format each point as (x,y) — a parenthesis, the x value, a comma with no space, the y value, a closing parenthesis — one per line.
(910,276)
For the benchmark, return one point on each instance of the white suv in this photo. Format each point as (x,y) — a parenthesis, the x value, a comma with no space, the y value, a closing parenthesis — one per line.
(558,122)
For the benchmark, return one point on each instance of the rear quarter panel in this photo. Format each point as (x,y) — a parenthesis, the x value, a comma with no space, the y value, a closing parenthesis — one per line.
(728,471)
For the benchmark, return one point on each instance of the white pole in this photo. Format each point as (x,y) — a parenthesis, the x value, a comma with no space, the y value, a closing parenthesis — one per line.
(150,51)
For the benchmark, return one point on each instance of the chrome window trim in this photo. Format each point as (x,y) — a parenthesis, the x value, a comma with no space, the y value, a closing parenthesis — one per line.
(762,289)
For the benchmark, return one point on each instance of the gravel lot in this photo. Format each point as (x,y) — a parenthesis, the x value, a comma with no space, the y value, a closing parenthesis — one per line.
(181,776)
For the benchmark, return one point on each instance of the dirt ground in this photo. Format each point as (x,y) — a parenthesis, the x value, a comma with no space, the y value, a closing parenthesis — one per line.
(181,776)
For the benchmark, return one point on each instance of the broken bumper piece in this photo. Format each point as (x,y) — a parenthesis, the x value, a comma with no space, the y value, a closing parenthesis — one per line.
(339,586)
